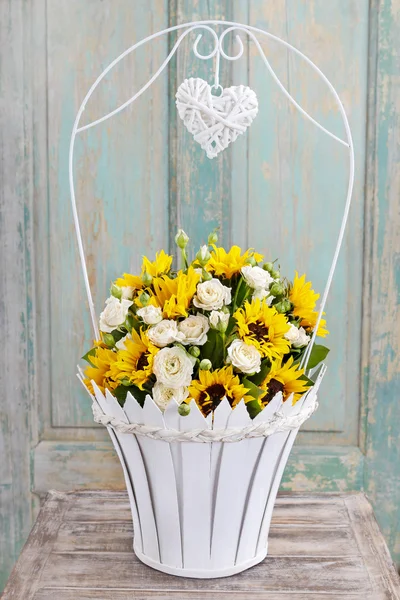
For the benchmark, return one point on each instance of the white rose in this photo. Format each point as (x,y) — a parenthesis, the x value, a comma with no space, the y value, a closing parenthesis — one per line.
(297,337)
(212,295)
(256,277)
(162,395)
(163,333)
(150,314)
(127,292)
(173,367)
(219,320)
(193,330)
(244,357)
(263,295)
(121,343)
(114,314)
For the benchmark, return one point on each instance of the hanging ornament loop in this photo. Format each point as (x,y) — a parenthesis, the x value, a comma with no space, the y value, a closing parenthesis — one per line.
(218,51)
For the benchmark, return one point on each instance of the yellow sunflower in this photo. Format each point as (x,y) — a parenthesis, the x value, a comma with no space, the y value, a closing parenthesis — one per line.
(304,300)
(100,371)
(135,363)
(227,264)
(174,296)
(211,387)
(263,327)
(286,379)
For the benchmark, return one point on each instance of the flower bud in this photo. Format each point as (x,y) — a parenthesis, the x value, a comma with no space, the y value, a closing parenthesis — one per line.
(283,306)
(181,239)
(203,255)
(251,261)
(116,291)
(212,238)
(277,289)
(184,409)
(275,274)
(206,276)
(108,339)
(146,278)
(144,298)
(205,364)
(268,266)
(194,351)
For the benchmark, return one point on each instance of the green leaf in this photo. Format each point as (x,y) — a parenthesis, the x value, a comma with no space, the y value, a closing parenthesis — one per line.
(208,349)
(121,392)
(265,369)
(253,390)
(92,352)
(253,408)
(118,335)
(307,379)
(318,354)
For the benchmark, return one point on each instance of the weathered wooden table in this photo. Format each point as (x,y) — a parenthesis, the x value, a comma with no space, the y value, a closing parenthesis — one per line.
(321,546)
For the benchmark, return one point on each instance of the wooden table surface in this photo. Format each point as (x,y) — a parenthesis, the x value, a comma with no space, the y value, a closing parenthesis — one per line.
(321,546)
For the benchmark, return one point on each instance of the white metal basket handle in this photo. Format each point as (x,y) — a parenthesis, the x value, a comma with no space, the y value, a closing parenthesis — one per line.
(217,52)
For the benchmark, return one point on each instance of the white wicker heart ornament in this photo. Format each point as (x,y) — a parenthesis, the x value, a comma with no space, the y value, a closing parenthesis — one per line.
(215,121)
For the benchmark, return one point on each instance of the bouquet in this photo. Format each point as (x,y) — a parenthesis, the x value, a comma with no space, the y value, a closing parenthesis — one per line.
(225,325)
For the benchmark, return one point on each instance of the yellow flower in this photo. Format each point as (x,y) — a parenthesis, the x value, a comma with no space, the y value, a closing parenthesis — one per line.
(174,296)
(135,363)
(159,266)
(286,379)
(263,327)
(128,280)
(211,387)
(227,264)
(100,372)
(304,300)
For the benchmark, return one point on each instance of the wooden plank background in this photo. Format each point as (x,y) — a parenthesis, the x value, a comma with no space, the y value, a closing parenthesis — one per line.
(141,175)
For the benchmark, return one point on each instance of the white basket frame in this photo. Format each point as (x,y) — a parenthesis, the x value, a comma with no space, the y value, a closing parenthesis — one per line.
(217,52)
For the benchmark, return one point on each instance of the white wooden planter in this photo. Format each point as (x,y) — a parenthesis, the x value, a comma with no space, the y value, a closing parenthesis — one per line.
(202,509)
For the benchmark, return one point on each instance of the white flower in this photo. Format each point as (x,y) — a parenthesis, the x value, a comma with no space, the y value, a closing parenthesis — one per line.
(297,337)
(114,314)
(245,357)
(127,292)
(163,333)
(193,330)
(256,277)
(173,367)
(162,395)
(150,314)
(263,295)
(219,320)
(121,343)
(212,295)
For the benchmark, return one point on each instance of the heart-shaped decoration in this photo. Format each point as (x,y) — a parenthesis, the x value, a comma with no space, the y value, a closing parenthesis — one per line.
(215,121)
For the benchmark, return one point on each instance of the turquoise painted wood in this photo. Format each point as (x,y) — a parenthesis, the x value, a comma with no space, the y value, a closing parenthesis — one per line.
(139,176)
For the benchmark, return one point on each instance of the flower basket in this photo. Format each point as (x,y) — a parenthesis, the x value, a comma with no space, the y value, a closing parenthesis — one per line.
(204,372)
(202,508)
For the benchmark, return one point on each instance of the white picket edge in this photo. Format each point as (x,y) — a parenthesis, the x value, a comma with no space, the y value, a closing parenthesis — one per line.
(135,466)
(105,406)
(236,467)
(163,485)
(284,441)
(196,493)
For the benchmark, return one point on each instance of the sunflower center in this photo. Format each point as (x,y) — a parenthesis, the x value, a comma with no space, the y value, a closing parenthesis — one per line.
(274,387)
(259,330)
(142,362)
(216,392)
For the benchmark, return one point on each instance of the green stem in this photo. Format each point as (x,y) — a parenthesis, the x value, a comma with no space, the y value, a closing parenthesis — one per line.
(184,258)
(236,293)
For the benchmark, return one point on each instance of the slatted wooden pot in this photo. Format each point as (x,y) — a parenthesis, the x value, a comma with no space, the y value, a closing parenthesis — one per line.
(202,509)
